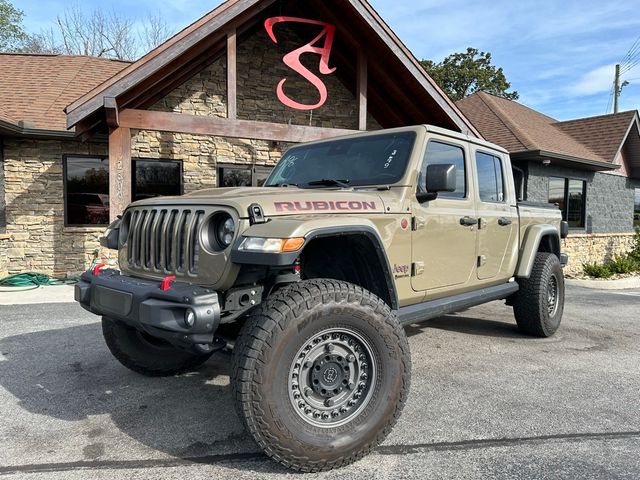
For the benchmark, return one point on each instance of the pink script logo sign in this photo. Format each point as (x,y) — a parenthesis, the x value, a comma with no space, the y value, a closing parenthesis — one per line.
(292,59)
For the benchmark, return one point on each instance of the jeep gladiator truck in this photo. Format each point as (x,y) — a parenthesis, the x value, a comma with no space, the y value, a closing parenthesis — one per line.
(311,278)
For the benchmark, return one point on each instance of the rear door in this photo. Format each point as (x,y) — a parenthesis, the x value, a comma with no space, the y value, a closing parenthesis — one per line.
(497,215)
(444,233)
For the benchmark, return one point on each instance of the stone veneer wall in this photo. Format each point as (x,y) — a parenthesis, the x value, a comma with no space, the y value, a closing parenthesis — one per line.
(36,238)
(595,248)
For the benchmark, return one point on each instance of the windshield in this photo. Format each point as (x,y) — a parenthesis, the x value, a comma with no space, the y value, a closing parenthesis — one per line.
(372,160)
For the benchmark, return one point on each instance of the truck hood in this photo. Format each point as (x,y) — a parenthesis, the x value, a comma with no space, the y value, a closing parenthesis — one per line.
(280,201)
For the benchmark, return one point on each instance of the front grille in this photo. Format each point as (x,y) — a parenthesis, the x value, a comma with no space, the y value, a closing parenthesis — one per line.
(164,240)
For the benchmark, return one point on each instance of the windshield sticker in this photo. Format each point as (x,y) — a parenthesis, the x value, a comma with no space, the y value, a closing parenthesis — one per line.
(321,205)
(390,159)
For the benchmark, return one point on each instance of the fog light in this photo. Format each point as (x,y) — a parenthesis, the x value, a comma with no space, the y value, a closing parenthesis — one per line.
(189,318)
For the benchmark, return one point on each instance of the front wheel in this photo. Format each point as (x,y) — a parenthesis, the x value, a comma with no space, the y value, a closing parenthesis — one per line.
(145,354)
(321,372)
(539,303)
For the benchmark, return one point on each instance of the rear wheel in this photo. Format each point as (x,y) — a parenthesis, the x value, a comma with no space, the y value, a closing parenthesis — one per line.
(321,372)
(146,354)
(539,303)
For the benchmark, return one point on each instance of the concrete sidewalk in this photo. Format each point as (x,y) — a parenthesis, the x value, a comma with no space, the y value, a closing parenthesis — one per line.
(617,284)
(48,294)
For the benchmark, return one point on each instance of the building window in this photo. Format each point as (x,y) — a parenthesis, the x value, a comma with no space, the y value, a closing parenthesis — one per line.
(86,190)
(442,153)
(155,178)
(242,176)
(490,178)
(86,186)
(570,195)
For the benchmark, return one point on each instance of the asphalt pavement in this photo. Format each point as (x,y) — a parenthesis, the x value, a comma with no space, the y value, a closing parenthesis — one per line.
(486,402)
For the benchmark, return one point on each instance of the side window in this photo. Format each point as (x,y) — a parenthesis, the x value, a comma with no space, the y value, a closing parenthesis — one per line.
(443,153)
(490,177)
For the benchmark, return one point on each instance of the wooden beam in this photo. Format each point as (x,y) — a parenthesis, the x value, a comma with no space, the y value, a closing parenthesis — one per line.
(224,127)
(119,171)
(111,112)
(362,89)
(232,77)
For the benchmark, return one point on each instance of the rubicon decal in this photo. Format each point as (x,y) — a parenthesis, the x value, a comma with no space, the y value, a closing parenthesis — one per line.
(322,205)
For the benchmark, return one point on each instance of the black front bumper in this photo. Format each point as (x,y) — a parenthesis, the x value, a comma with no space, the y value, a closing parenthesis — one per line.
(143,305)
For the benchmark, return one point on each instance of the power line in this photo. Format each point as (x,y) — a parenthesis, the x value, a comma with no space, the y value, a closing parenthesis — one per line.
(635,47)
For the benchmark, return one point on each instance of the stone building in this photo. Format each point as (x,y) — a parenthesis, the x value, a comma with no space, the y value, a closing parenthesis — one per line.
(589,166)
(214,106)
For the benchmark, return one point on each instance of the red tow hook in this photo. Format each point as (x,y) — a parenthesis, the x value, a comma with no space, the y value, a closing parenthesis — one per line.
(166,283)
(97,268)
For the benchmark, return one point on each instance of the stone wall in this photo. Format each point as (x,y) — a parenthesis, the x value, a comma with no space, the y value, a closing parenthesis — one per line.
(609,197)
(36,238)
(595,248)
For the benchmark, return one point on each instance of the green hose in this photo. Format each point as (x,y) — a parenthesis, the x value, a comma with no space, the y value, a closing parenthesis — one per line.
(31,280)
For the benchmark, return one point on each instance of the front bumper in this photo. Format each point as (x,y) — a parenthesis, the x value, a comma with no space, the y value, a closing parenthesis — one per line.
(142,305)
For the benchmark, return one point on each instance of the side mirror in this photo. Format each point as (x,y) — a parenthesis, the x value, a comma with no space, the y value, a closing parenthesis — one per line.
(440,178)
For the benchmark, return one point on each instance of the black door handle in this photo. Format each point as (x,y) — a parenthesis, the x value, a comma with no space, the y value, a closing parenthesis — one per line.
(468,221)
(503,222)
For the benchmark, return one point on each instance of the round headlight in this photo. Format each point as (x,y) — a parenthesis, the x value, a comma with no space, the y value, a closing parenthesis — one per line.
(124,229)
(225,231)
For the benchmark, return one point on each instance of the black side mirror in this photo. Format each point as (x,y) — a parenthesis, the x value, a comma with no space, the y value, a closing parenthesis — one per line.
(440,178)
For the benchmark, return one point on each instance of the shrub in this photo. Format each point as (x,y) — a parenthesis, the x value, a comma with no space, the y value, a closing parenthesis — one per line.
(635,251)
(597,270)
(623,264)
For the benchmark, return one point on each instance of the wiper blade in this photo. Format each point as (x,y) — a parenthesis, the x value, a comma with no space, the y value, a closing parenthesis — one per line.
(329,182)
(283,185)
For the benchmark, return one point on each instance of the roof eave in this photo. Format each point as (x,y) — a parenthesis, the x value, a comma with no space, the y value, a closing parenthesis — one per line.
(585,163)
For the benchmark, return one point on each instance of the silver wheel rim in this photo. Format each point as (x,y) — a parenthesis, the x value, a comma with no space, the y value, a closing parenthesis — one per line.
(553,295)
(331,377)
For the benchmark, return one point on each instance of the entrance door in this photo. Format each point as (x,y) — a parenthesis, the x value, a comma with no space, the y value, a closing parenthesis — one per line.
(498,218)
(444,235)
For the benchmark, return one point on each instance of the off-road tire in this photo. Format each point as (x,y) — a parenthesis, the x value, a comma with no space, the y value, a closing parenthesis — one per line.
(535,313)
(272,337)
(146,355)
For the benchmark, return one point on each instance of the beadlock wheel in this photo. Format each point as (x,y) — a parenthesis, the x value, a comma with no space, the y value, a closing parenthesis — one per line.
(331,377)
(321,371)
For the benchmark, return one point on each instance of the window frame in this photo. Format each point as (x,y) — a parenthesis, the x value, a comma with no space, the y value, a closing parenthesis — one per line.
(65,192)
(464,161)
(165,160)
(500,160)
(565,213)
(239,166)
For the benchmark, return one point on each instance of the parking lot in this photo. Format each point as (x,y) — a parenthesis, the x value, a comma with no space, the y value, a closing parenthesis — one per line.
(485,402)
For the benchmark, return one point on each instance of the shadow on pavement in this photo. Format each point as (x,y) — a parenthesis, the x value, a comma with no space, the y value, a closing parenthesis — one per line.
(69,374)
(469,326)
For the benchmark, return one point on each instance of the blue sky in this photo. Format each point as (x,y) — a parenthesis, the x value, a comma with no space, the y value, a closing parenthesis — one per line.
(558,54)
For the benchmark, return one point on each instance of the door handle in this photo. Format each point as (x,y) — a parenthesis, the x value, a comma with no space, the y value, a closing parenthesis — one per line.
(468,221)
(503,222)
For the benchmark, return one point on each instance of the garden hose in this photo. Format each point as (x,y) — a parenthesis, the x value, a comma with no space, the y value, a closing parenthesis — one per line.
(30,280)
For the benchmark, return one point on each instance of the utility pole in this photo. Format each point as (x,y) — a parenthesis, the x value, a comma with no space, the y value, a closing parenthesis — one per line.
(616,89)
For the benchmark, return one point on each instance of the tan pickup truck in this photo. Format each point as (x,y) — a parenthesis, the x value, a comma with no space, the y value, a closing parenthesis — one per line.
(311,278)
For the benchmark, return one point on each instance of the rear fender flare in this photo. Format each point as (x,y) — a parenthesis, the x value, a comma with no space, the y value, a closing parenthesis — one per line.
(531,245)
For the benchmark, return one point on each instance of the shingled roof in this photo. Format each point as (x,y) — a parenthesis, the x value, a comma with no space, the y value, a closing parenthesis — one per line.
(34,89)
(593,141)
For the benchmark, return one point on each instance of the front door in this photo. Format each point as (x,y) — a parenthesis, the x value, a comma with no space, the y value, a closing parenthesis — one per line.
(497,218)
(444,232)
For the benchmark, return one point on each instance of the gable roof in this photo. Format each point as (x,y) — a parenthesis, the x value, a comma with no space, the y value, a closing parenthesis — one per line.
(34,89)
(161,66)
(603,134)
(593,141)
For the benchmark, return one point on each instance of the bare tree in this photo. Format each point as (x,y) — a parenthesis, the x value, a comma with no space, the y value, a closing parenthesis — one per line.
(155,30)
(43,42)
(96,34)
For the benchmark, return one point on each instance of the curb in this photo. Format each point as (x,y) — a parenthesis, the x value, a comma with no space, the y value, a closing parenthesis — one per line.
(619,284)
(45,294)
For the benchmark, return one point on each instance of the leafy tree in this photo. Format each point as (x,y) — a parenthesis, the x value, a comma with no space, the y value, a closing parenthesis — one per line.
(11,31)
(462,74)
